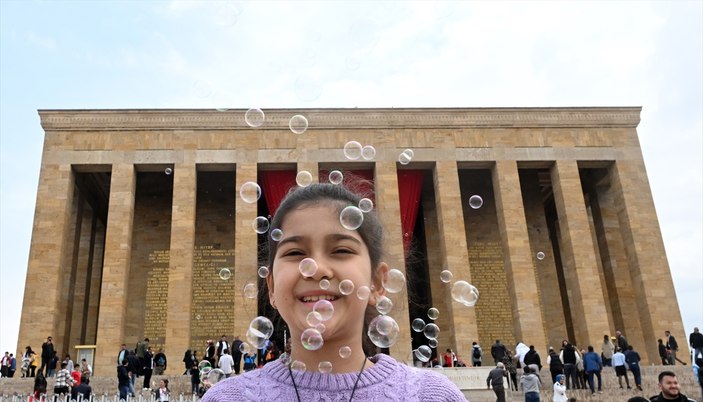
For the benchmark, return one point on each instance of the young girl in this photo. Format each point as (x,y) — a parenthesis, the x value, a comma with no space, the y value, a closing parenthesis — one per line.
(559,390)
(162,394)
(309,218)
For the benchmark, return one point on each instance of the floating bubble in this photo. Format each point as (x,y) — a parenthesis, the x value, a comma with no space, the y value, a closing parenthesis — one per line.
(263,272)
(324,367)
(346,287)
(168,171)
(254,117)
(255,338)
(262,327)
(303,178)
(335,177)
(365,205)
(431,331)
(432,343)
(250,291)
(297,365)
(351,218)
(225,274)
(446,276)
(307,267)
(298,124)
(383,341)
(215,376)
(197,317)
(384,305)
(203,364)
(540,255)
(311,339)
(345,352)
(368,152)
(313,319)
(465,293)
(276,234)
(395,282)
(423,353)
(250,192)
(475,201)
(418,324)
(433,313)
(260,224)
(244,347)
(384,325)
(352,150)
(410,153)
(324,284)
(404,158)
(325,308)
(363,292)
(321,328)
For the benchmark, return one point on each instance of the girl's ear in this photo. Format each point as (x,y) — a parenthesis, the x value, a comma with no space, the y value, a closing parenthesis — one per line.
(269,284)
(379,277)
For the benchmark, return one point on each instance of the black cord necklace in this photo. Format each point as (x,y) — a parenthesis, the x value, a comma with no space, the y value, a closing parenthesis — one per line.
(353,389)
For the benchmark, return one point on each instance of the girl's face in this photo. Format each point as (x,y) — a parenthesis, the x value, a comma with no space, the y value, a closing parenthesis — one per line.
(315,232)
(162,384)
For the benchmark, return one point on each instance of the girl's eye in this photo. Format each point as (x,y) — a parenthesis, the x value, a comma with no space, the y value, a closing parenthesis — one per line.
(343,251)
(292,253)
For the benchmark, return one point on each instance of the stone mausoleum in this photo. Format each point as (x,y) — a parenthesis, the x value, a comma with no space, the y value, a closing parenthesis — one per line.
(138,212)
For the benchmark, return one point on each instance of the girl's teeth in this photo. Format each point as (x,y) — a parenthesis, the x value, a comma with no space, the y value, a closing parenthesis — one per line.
(317,298)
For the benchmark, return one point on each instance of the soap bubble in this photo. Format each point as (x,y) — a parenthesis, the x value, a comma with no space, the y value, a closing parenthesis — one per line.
(215,375)
(351,218)
(395,282)
(446,276)
(335,177)
(368,152)
(540,255)
(418,324)
(260,330)
(363,292)
(260,224)
(203,364)
(254,117)
(324,367)
(404,158)
(431,331)
(307,267)
(311,339)
(168,170)
(384,305)
(225,274)
(465,293)
(303,178)
(475,201)
(263,272)
(298,124)
(410,153)
(423,353)
(432,343)
(250,290)
(383,341)
(433,313)
(276,234)
(313,319)
(352,150)
(365,205)
(244,347)
(256,339)
(197,317)
(325,308)
(324,284)
(345,352)
(250,192)
(321,328)
(384,325)
(346,287)
(297,365)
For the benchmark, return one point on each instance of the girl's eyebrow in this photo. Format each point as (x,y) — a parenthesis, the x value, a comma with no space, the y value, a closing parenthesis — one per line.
(332,237)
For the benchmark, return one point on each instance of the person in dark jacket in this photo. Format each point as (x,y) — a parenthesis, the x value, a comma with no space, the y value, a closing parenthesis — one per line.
(695,339)
(632,358)
(133,368)
(82,389)
(123,381)
(47,352)
(593,364)
(663,354)
(498,351)
(532,358)
(669,387)
(556,367)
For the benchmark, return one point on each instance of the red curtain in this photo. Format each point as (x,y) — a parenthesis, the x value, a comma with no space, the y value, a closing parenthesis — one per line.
(409,191)
(358,181)
(275,185)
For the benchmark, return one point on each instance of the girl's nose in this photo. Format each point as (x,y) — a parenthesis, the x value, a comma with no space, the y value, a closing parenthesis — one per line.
(324,270)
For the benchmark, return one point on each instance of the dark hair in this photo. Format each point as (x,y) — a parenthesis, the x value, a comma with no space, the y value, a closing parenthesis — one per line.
(165,382)
(85,379)
(527,370)
(590,348)
(666,373)
(638,399)
(370,231)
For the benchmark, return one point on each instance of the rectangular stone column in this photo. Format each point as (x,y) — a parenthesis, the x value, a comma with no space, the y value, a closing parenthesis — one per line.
(118,250)
(388,209)
(180,275)
(588,313)
(519,267)
(455,257)
(51,240)
(245,252)
(654,291)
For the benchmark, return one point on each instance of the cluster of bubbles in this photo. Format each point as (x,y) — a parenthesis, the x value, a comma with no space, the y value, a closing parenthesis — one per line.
(255,117)
(353,150)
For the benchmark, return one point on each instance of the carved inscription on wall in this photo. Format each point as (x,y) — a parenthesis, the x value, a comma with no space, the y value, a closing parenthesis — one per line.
(212,313)
(155,307)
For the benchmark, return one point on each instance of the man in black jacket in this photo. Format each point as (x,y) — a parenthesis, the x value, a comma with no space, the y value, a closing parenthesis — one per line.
(498,351)
(669,387)
(695,339)
(532,358)
(672,346)
(47,352)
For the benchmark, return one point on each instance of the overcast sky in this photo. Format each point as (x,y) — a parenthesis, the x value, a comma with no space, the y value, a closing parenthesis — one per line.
(171,54)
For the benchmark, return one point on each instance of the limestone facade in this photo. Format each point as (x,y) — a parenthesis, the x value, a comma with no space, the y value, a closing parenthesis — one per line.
(122,250)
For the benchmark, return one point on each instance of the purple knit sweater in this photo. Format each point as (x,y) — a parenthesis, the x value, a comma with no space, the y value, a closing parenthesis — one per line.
(387,381)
